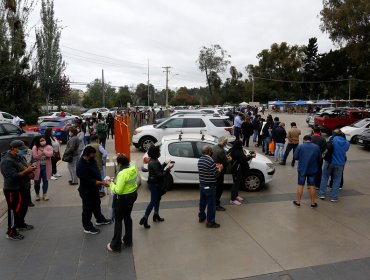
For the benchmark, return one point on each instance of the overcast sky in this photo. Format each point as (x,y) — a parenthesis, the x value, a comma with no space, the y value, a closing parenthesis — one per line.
(120,36)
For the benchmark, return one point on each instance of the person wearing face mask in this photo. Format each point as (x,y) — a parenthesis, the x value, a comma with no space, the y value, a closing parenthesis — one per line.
(102,131)
(72,149)
(14,176)
(208,173)
(90,183)
(42,153)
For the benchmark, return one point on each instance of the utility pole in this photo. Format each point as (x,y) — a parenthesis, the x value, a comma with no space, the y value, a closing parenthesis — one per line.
(148,83)
(167,71)
(102,86)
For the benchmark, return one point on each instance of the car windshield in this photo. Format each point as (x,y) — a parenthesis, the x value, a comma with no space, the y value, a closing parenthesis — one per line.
(360,123)
(51,123)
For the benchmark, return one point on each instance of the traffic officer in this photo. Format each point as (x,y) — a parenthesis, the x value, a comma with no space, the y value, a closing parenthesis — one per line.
(125,192)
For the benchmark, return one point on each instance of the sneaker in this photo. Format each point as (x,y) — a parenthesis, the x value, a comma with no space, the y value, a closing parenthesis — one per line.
(45,198)
(103,222)
(212,225)
(37,197)
(295,202)
(322,197)
(235,202)
(109,248)
(25,227)
(53,178)
(220,208)
(333,200)
(92,231)
(239,198)
(15,237)
(57,175)
(314,205)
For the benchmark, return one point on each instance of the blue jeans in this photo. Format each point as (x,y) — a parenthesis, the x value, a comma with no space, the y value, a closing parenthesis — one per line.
(237,132)
(45,183)
(155,199)
(87,140)
(290,147)
(267,143)
(255,135)
(279,151)
(207,199)
(336,172)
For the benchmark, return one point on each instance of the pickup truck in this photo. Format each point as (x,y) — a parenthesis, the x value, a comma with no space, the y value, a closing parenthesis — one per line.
(346,117)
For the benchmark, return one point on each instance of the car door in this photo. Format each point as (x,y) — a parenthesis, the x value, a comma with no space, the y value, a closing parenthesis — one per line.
(194,125)
(185,170)
(172,126)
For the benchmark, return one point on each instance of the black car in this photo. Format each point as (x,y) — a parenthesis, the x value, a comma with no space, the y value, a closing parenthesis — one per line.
(364,139)
(10,132)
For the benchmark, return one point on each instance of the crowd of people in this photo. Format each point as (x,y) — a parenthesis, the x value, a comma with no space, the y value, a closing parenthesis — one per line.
(318,161)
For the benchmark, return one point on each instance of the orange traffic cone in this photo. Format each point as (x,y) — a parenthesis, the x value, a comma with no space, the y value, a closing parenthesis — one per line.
(27,129)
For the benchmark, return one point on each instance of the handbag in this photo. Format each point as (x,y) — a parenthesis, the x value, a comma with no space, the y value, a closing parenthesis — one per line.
(272,147)
(57,156)
(67,157)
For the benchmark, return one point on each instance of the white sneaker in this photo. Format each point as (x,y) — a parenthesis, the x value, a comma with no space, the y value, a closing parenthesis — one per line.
(57,175)
(53,178)
(235,202)
(239,198)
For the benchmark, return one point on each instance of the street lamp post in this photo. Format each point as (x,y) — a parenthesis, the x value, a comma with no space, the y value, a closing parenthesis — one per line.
(349,88)
(252,78)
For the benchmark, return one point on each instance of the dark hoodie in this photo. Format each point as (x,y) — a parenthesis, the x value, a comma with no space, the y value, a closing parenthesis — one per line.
(10,168)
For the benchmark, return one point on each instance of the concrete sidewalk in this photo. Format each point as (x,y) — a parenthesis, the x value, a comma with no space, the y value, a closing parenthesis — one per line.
(265,238)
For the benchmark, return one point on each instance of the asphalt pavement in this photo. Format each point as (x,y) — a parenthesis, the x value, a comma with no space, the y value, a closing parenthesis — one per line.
(265,238)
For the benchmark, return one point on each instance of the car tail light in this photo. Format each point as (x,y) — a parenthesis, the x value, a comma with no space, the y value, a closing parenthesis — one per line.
(146,160)
(229,129)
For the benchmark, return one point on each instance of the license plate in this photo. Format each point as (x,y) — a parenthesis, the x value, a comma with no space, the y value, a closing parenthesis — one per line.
(360,141)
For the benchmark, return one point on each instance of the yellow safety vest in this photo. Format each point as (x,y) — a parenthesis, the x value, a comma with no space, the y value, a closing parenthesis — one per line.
(125,181)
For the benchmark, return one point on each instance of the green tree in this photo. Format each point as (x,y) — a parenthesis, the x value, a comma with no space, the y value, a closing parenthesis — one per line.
(50,64)
(213,61)
(348,23)
(123,96)
(17,80)
(94,95)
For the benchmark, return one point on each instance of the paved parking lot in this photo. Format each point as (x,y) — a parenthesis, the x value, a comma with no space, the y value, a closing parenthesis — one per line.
(265,238)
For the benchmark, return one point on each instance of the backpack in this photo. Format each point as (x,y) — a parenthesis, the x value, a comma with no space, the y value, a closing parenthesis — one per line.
(328,153)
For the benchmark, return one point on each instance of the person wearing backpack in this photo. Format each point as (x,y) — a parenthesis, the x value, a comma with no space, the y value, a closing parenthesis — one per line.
(335,160)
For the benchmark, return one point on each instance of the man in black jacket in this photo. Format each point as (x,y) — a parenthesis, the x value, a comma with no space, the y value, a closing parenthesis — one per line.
(14,174)
(90,183)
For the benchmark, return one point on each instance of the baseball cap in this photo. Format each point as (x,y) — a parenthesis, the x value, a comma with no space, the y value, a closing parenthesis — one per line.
(18,144)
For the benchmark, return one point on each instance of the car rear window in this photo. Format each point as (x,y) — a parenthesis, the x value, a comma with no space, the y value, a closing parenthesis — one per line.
(221,122)
(50,123)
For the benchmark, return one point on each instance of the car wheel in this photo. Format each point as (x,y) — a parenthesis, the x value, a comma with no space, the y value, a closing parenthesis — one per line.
(354,139)
(146,143)
(254,181)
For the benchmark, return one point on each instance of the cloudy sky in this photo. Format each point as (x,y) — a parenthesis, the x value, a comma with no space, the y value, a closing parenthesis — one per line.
(120,36)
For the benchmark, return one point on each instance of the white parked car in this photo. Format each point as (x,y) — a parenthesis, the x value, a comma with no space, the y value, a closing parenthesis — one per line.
(148,135)
(186,149)
(54,115)
(354,130)
(6,117)
(88,114)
